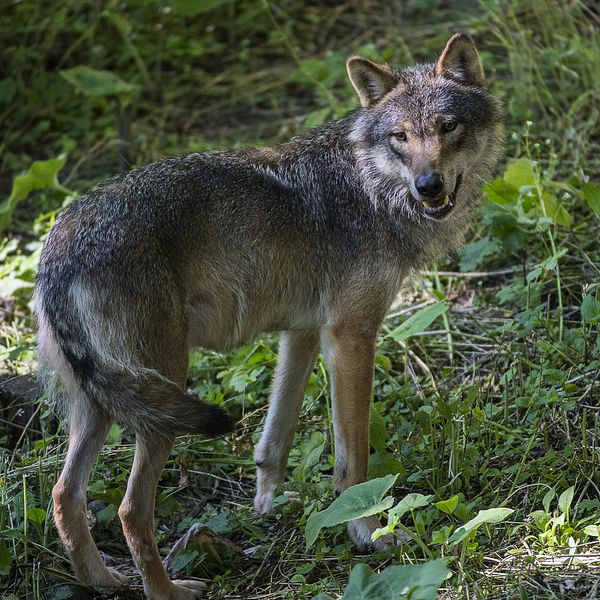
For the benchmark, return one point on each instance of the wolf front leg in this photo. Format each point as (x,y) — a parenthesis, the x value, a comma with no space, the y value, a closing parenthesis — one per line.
(297,353)
(350,357)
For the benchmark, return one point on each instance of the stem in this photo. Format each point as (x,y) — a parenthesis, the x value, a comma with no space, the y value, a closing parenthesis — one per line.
(417,539)
(540,194)
(438,287)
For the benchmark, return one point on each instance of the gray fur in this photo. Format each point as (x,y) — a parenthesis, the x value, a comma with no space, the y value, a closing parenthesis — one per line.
(332,203)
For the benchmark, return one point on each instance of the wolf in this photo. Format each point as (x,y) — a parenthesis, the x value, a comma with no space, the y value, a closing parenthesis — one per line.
(311,238)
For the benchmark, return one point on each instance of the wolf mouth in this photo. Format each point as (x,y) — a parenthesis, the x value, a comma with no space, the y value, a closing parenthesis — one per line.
(446,203)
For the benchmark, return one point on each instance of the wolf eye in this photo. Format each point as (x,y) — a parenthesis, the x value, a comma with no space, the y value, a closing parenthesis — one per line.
(449,126)
(399,135)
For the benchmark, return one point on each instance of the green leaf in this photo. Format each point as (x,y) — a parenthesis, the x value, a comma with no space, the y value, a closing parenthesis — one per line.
(549,264)
(96,82)
(492,515)
(5,559)
(107,514)
(419,322)
(41,175)
(97,487)
(361,500)
(310,453)
(440,536)
(36,515)
(417,582)
(183,559)
(565,500)
(500,192)
(474,254)
(547,499)
(520,173)
(384,362)
(447,506)
(115,435)
(408,503)
(377,430)
(591,193)
(555,210)
(590,309)
(384,463)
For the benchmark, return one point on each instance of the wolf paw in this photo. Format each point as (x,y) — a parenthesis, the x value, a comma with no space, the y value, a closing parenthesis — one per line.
(263,501)
(122,580)
(110,581)
(266,484)
(189,589)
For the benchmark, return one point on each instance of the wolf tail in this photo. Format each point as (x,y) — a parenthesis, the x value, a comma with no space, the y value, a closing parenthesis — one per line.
(85,367)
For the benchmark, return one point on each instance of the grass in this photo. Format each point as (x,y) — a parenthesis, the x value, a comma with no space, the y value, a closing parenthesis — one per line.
(493,405)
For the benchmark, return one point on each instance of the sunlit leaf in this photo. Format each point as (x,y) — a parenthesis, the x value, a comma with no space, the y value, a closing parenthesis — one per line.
(408,503)
(43,174)
(447,506)
(555,210)
(520,173)
(419,322)
(492,515)
(592,530)
(500,192)
(361,500)
(565,500)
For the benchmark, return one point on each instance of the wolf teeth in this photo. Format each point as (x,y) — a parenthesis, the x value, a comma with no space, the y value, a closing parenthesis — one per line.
(445,202)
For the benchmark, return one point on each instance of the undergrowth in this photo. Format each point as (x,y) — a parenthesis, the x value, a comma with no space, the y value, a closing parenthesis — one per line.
(485,416)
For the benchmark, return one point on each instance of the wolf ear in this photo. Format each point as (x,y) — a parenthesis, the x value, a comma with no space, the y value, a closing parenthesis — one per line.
(370,80)
(460,61)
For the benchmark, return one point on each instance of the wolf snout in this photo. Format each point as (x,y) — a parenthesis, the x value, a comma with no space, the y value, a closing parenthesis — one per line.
(430,185)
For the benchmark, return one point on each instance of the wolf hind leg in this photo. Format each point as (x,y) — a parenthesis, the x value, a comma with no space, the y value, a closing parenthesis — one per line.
(88,430)
(137,517)
(297,353)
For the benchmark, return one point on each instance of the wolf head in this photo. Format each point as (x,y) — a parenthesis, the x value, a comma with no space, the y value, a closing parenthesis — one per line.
(428,136)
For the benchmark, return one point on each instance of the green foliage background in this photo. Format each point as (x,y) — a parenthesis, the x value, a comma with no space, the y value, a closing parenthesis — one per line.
(487,375)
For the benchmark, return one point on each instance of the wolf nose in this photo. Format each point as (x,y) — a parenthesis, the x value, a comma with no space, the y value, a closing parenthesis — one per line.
(429,185)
